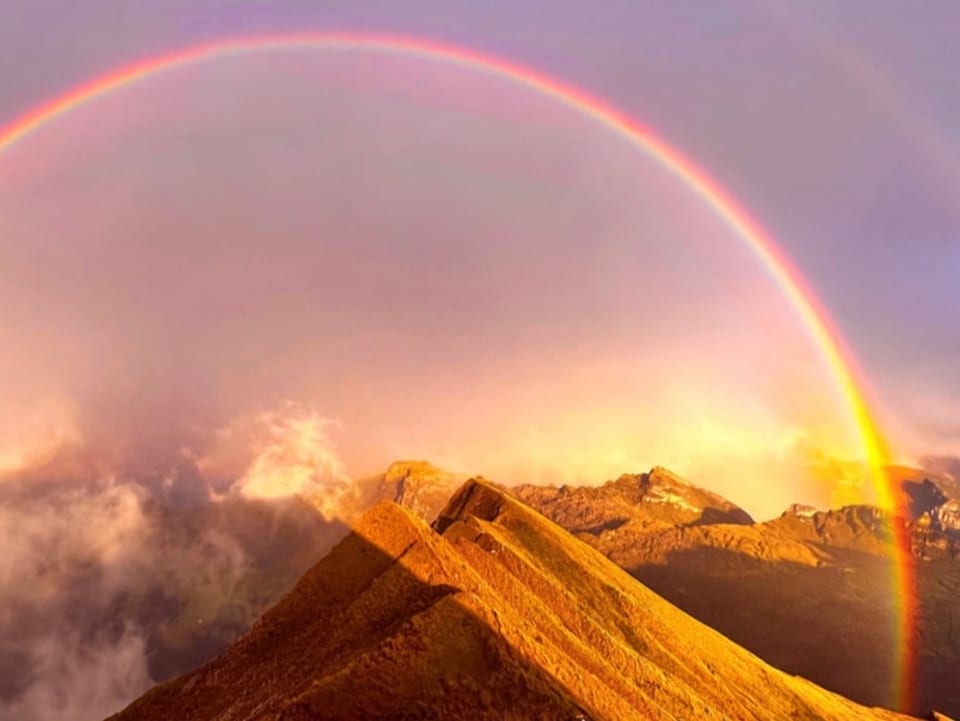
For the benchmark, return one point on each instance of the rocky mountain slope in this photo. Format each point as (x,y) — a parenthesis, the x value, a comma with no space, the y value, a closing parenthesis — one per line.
(810,592)
(493,613)
(631,503)
(417,485)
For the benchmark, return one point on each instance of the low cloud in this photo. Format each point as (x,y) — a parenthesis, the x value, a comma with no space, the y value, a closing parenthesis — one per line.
(767,473)
(280,454)
(115,577)
(74,677)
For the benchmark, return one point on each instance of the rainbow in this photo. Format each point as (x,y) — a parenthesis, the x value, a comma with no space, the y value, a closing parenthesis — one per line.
(812,314)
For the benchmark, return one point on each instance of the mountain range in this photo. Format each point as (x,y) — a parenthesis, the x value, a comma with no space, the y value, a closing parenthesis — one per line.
(808,592)
(493,612)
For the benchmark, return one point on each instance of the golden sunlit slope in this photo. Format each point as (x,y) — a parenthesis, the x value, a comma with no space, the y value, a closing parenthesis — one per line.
(810,592)
(494,613)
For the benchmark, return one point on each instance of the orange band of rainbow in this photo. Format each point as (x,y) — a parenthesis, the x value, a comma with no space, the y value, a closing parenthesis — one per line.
(813,316)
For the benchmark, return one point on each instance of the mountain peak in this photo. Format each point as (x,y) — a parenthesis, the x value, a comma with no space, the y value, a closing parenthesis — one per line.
(478,498)
(800,510)
(662,473)
(417,485)
(621,511)
(390,526)
(934,503)
(860,528)
(660,485)
(923,495)
(412,470)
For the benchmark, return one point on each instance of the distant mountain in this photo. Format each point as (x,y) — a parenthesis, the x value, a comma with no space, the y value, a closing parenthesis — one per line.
(631,503)
(417,485)
(809,592)
(493,613)
(934,500)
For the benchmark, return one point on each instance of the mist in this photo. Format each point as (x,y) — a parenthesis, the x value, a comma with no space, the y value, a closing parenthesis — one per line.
(444,264)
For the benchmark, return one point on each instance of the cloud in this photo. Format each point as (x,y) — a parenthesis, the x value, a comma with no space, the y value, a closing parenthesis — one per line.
(75,677)
(32,436)
(69,555)
(765,473)
(280,454)
(107,588)
(51,539)
(847,481)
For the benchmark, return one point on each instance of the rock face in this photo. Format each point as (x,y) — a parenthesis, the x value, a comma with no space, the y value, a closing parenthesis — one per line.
(946,517)
(631,503)
(934,501)
(799,510)
(417,485)
(934,507)
(943,516)
(923,495)
(493,613)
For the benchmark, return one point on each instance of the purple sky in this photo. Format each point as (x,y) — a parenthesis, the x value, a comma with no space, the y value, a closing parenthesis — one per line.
(455,269)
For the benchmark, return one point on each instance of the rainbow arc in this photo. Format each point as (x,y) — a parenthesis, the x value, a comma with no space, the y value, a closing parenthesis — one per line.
(803,300)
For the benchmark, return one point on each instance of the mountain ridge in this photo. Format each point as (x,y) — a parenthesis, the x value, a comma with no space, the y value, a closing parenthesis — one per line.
(494,612)
(808,591)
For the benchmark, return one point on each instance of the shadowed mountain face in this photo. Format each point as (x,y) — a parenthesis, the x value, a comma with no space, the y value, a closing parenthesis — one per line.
(110,589)
(934,501)
(810,592)
(494,613)
(276,541)
(196,623)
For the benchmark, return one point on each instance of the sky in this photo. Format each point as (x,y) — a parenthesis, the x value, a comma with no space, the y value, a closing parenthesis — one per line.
(441,265)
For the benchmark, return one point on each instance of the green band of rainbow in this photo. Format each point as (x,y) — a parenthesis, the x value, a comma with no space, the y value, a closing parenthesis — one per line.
(813,316)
